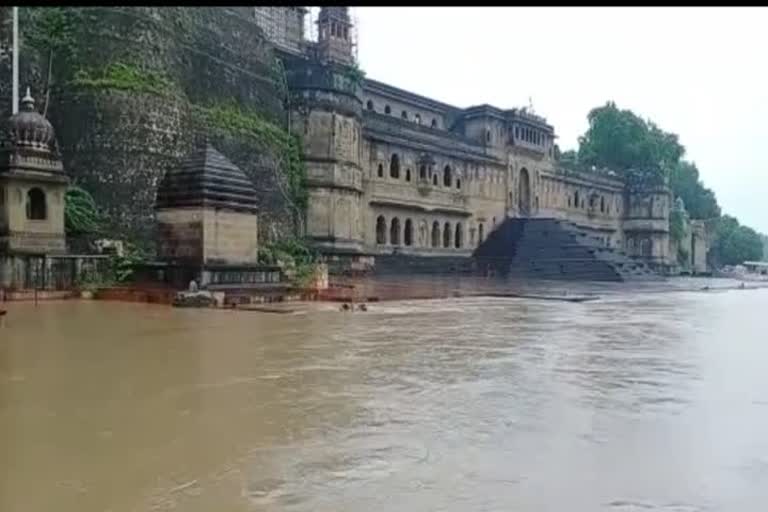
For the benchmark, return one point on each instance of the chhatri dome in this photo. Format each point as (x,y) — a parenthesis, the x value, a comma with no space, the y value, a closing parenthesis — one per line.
(29,129)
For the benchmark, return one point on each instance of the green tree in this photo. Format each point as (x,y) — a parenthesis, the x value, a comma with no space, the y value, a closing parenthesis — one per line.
(700,202)
(81,216)
(765,247)
(624,142)
(640,151)
(568,157)
(734,243)
(50,30)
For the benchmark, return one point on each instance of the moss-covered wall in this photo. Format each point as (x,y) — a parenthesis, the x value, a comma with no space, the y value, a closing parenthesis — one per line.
(134,87)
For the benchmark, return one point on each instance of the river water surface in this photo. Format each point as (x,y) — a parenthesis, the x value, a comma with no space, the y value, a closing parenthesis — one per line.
(635,402)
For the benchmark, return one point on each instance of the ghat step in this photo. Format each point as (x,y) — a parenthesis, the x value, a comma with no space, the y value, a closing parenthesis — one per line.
(555,249)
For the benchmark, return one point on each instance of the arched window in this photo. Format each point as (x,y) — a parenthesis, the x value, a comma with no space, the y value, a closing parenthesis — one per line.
(447,177)
(369,105)
(404,114)
(480,234)
(576,198)
(418,118)
(381,230)
(423,172)
(394,166)
(434,123)
(387,110)
(36,207)
(434,179)
(346,32)
(408,233)
(458,183)
(407,175)
(435,234)
(447,235)
(602,204)
(458,237)
(380,171)
(394,232)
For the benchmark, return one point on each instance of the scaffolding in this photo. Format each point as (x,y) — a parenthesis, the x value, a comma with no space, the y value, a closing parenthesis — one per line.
(353,32)
(283,26)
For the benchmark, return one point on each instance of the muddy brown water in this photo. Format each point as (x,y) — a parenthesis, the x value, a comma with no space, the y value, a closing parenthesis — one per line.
(635,402)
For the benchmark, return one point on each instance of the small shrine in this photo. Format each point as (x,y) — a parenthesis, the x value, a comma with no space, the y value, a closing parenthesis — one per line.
(32,185)
(207,218)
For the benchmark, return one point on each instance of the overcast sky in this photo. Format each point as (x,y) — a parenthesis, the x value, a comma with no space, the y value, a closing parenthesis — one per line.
(701,73)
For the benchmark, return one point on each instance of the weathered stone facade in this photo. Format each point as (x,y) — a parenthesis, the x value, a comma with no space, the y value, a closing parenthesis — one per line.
(394,172)
(130,94)
(690,249)
(206,212)
(32,185)
(387,170)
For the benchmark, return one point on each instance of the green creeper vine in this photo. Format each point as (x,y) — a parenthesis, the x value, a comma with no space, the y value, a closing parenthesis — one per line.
(676,225)
(296,258)
(230,118)
(279,76)
(125,77)
(355,74)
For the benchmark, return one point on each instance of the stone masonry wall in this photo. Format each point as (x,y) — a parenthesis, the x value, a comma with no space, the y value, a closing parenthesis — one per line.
(230,237)
(130,96)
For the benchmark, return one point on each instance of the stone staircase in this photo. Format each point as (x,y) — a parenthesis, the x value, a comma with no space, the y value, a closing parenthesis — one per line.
(555,249)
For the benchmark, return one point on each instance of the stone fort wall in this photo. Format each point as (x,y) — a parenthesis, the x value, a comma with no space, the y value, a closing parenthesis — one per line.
(134,87)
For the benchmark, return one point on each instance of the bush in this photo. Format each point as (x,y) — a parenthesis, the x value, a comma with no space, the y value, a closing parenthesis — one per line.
(81,216)
(298,261)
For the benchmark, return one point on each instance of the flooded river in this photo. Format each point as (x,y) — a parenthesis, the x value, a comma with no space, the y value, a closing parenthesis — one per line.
(635,402)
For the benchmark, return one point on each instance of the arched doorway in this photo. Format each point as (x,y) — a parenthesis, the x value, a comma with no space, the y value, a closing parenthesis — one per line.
(435,234)
(394,232)
(524,193)
(381,230)
(447,235)
(408,233)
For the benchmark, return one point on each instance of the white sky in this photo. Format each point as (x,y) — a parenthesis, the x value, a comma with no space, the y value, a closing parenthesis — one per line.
(699,72)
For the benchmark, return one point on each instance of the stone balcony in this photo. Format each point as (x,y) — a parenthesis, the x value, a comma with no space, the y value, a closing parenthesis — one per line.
(419,196)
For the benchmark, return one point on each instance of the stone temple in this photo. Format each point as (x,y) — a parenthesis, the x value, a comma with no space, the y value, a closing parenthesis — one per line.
(394,172)
(32,188)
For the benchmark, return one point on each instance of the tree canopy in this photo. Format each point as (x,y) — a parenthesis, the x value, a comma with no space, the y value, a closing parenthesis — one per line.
(638,149)
(700,201)
(734,243)
(622,141)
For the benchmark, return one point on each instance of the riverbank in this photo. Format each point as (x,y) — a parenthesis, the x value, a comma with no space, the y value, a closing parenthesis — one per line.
(345,291)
